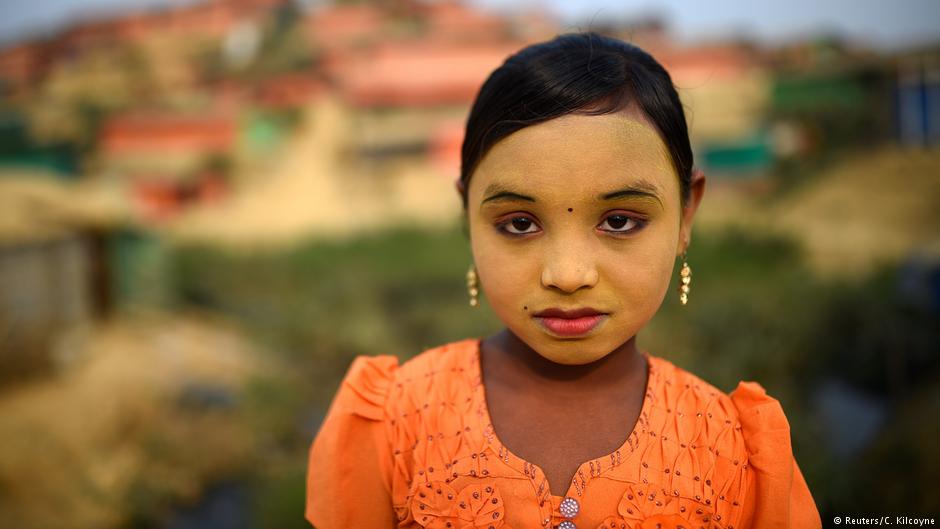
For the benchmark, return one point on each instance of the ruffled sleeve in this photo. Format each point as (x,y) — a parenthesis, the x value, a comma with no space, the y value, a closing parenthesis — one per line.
(349,467)
(779,497)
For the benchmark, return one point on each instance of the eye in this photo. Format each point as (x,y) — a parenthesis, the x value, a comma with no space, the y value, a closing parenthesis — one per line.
(621,223)
(518,225)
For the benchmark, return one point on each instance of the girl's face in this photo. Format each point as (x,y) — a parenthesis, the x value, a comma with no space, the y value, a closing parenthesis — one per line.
(580,213)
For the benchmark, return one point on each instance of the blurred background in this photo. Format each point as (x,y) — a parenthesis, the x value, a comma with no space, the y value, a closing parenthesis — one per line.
(208,208)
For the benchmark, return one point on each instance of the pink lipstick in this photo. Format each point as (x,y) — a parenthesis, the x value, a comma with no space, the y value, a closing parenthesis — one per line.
(570,323)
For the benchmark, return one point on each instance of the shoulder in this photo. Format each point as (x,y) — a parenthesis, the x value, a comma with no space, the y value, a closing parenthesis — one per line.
(441,376)
(739,426)
(674,388)
(366,385)
(745,425)
(747,447)
(375,386)
(440,362)
(748,404)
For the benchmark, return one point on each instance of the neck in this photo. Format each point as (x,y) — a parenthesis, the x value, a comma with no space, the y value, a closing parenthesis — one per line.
(516,358)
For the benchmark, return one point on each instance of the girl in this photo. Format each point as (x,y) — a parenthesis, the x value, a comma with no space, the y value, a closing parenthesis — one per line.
(579,192)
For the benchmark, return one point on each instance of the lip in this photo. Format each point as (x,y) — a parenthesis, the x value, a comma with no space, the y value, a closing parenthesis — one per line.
(570,323)
(567,314)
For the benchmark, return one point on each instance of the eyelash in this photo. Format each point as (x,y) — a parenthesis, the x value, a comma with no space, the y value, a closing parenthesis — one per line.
(639,223)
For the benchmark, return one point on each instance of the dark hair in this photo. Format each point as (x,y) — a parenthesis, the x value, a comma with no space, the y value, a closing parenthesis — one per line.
(582,73)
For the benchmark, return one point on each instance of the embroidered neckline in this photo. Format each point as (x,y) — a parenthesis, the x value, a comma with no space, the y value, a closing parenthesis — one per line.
(587,470)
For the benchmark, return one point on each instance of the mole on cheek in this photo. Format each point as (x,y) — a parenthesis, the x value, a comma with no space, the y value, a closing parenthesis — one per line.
(570,210)
(525,307)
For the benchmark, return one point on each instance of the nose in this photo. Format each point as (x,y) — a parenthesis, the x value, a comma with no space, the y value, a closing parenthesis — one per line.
(569,267)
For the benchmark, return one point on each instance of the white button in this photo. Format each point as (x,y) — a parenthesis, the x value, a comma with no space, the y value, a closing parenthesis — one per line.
(567,524)
(569,508)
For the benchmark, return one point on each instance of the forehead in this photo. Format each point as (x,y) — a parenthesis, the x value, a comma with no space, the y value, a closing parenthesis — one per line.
(578,154)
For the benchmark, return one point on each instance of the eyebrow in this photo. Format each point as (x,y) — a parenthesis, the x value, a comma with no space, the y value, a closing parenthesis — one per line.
(640,188)
(496,192)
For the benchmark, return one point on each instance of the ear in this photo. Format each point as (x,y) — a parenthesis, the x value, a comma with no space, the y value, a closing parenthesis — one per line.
(696,191)
(461,188)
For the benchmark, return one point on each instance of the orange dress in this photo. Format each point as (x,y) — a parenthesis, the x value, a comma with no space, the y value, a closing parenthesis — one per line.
(412,446)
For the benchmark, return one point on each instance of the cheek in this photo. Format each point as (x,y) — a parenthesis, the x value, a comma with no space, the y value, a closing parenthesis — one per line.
(640,274)
(641,284)
(506,275)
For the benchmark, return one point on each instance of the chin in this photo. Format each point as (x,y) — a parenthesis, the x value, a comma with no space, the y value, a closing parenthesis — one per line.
(572,352)
(576,360)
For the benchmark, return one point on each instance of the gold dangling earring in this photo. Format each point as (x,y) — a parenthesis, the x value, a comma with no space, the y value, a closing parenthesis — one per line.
(685,276)
(472,285)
